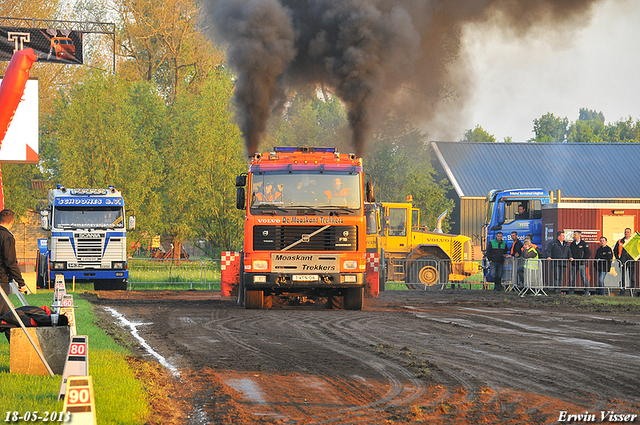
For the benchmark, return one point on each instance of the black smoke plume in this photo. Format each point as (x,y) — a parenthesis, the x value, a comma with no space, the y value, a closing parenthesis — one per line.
(376,55)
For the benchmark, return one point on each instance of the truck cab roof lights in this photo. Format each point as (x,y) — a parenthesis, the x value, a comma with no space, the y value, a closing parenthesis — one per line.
(291,149)
(89,191)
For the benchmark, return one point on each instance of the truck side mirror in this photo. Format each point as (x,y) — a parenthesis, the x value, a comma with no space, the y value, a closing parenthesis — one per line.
(132,222)
(241,181)
(240,198)
(44,220)
(370,196)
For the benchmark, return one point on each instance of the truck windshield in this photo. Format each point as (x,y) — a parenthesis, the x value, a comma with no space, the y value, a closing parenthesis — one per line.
(88,218)
(307,190)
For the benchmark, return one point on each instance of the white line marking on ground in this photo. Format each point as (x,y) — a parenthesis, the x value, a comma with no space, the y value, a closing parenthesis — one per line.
(134,331)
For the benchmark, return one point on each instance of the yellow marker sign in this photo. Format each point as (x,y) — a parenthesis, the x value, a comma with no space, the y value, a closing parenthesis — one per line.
(79,401)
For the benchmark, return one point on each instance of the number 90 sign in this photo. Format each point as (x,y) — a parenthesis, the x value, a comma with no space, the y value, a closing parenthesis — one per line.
(78,396)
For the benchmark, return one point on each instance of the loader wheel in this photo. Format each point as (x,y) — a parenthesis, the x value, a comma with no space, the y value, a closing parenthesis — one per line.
(253,300)
(424,272)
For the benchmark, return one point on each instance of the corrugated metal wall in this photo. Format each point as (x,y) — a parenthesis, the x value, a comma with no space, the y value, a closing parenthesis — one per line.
(471,218)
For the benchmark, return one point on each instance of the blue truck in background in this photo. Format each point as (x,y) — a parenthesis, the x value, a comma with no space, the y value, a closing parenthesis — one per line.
(503,214)
(518,210)
(87,237)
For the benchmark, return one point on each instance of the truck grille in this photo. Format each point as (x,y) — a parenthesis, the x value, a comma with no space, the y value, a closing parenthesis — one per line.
(276,238)
(89,251)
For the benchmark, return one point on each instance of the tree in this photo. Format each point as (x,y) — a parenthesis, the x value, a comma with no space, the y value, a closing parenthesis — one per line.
(623,130)
(108,131)
(308,120)
(589,128)
(161,44)
(550,129)
(203,157)
(478,134)
(399,161)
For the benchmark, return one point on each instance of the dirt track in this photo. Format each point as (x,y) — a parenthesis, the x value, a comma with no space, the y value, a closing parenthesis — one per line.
(443,357)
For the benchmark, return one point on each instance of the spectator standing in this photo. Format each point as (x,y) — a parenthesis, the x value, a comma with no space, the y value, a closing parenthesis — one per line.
(558,251)
(516,253)
(627,262)
(496,253)
(603,257)
(516,247)
(529,253)
(579,252)
(9,269)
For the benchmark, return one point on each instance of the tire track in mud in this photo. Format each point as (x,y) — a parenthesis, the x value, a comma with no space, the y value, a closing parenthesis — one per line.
(345,333)
(233,335)
(544,370)
(442,374)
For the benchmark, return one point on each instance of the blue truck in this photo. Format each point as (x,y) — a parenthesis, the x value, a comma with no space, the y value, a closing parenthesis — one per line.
(511,210)
(517,210)
(87,237)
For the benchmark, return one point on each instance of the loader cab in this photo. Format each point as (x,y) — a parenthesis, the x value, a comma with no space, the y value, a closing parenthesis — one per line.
(397,227)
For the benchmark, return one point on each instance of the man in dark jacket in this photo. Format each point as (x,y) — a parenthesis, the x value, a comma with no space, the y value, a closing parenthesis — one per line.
(628,264)
(603,257)
(579,252)
(9,269)
(558,251)
(516,253)
(496,253)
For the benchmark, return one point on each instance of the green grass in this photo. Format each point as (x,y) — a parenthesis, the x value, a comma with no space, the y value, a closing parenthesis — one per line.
(120,399)
(169,271)
(604,300)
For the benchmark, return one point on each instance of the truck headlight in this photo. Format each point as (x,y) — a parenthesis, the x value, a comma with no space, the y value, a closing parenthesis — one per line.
(259,279)
(260,265)
(350,278)
(59,265)
(117,265)
(350,265)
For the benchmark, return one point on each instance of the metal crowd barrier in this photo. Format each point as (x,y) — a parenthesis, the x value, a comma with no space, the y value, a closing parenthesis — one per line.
(143,271)
(538,277)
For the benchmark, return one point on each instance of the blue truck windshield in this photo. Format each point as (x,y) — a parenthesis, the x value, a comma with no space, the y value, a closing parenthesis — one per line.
(88,218)
(306,190)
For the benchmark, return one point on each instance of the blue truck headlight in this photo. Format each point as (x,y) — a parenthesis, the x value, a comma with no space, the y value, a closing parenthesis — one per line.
(117,264)
(59,265)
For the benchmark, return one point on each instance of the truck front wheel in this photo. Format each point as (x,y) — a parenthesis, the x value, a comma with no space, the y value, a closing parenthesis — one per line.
(353,298)
(253,300)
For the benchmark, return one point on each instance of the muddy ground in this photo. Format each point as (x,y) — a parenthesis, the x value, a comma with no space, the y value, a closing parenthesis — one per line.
(452,356)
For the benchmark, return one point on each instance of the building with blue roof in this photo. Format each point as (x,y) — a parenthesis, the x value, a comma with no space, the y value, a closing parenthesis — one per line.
(576,172)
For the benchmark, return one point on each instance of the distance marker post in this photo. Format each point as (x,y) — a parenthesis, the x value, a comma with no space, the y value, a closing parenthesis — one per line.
(80,402)
(77,363)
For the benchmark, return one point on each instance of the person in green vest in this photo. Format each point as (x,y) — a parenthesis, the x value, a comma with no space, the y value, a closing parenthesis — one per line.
(496,253)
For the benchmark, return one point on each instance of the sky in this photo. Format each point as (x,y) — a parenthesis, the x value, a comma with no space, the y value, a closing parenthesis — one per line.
(516,80)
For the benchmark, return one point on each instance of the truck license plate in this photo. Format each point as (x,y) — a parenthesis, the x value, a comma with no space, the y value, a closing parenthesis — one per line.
(304,277)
